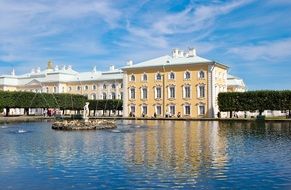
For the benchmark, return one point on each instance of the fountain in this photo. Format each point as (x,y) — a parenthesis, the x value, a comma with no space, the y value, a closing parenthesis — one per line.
(85,123)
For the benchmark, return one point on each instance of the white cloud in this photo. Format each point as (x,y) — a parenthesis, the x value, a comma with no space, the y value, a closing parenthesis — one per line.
(277,50)
(194,18)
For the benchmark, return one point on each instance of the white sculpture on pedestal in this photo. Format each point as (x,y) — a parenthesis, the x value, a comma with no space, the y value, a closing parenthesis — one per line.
(86,112)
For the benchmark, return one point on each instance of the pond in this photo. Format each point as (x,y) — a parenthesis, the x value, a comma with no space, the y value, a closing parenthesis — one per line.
(147,155)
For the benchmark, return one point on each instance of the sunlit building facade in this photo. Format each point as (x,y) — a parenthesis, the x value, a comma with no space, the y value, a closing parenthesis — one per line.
(181,84)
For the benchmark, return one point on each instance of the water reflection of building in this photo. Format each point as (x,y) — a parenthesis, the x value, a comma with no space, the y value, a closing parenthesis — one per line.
(179,145)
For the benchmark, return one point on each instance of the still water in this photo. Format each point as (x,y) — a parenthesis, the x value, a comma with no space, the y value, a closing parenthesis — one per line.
(147,155)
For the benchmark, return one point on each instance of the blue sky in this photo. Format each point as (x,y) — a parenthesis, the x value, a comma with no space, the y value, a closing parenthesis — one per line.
(252,37)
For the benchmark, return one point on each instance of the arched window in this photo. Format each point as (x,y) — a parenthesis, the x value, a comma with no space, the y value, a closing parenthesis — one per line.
(187,75)
(201,74)
(86,87)
(158,76)
(113,86)
(172,75)
(78,88)
(144,77)
(132,78)
(94,87)
(104,86)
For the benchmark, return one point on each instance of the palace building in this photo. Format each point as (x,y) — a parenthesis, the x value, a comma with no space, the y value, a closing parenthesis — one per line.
(182,84)
(94,84)
(54,79)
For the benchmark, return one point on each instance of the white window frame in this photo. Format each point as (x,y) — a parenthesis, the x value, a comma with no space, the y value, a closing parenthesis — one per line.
(170,110)
(201,71)
(104,97)
(169,92)
(130,108)
(93,96)
(158,74)
(130,93)
(156,109)
(142,109)
(170,74)
(156,92)
(144,77)
(187,105)
(113,95)
(201,105)
(132,77)
(142,93)
(185,75)
(184,91)
(198,91)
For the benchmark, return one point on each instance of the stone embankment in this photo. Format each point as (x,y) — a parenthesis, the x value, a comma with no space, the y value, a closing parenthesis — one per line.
(82,125)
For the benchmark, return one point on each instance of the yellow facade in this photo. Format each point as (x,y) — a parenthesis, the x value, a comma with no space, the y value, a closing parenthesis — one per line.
(180,100)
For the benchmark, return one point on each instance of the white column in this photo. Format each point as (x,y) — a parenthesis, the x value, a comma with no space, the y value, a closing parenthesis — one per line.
(125,94)
(211,98)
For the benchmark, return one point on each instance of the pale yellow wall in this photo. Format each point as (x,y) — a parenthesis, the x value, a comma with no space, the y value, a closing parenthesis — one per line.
(178,82)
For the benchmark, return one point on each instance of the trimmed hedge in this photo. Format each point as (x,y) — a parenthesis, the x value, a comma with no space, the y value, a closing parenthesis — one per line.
(105,104)
(41,100)
(254,100)
(64,101)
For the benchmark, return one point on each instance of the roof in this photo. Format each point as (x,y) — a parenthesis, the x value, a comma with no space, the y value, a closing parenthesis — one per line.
(61,75)
(235,81)
(167,60)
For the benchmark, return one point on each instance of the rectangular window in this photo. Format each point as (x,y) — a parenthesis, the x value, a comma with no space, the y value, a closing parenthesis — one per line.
(144,93)
(187,92)
(172,109)
(172,92)
(132,109)
(201,110)
(187,109)
(158,110)
(158,92)
(144,109)
(201,91)
(113,96)
(132,93)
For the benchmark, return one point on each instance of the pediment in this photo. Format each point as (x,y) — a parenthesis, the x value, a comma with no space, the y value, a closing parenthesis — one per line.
(33,82)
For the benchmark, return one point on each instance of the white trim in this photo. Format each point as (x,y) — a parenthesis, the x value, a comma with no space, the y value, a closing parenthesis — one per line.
(169,91)
(184,108)
(142,93)
(186,73)
(156,93)
(142,77)
(169,75)
(184,90)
